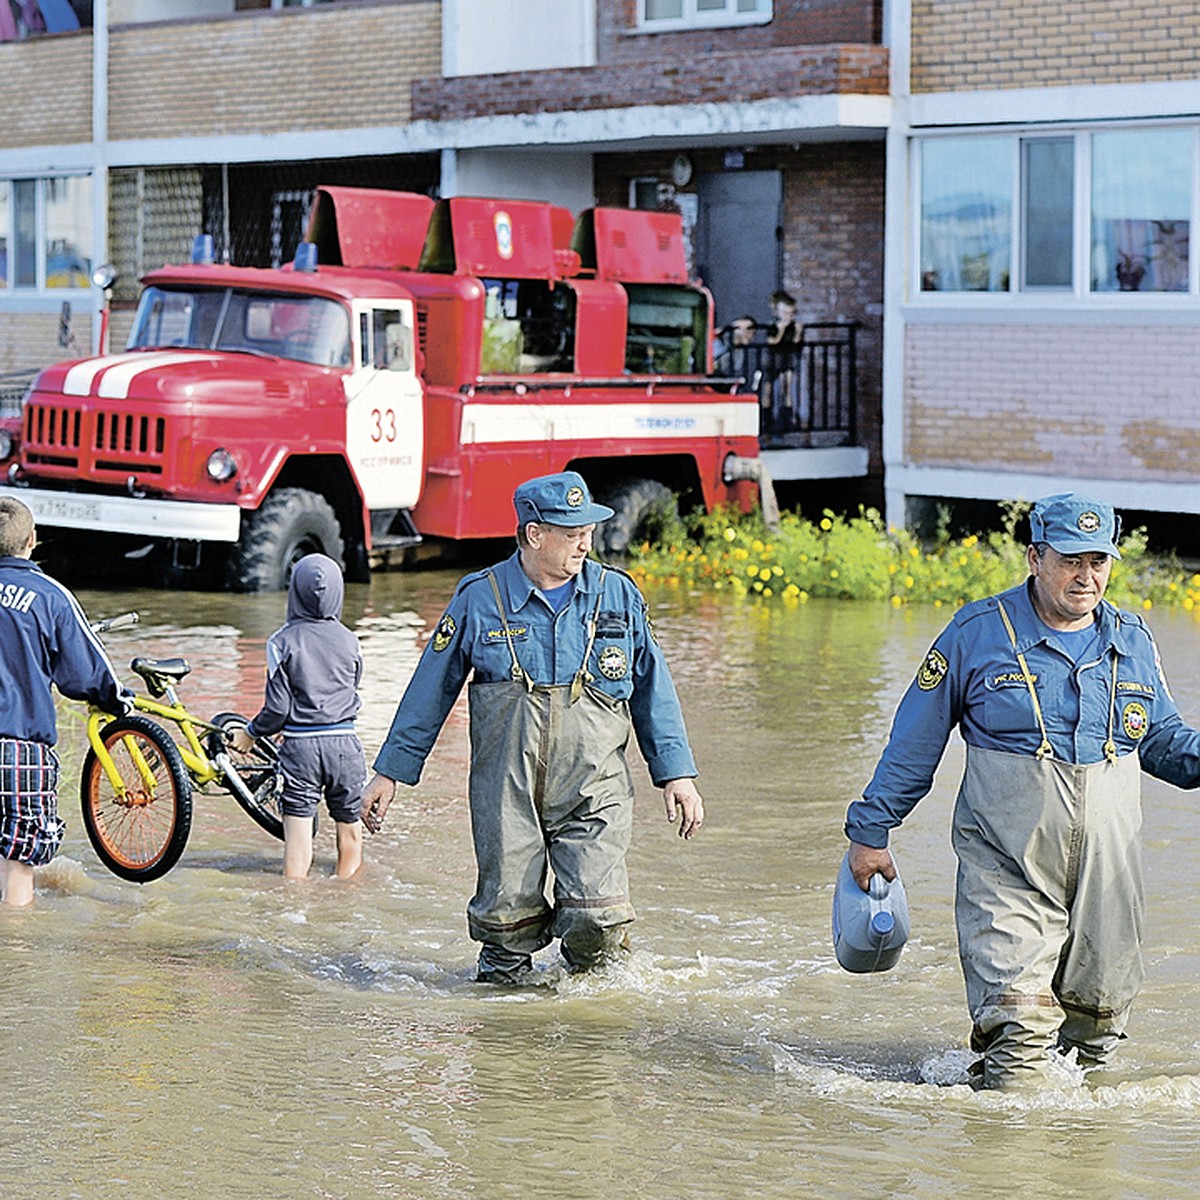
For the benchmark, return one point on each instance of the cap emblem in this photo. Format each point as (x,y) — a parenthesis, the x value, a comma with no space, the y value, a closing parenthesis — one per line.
(574,497)
(1089,522)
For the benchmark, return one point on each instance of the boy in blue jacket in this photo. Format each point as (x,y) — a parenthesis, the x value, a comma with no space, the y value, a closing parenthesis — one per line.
(45,641)
(314,667)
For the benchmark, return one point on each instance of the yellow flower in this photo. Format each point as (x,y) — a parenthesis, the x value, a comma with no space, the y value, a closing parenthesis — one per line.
(791,590)
(892,568)
(729,535)
(752,569)
(896,602)
(757,546)
(765,574)
(834,573)
(1147,603)
(909,581)
(776,570)
(826,524)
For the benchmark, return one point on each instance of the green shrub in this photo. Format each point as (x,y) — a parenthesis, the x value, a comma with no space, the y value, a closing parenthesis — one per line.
(862,558)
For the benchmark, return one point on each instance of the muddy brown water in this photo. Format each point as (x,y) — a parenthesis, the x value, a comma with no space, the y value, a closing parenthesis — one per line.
(220,1032)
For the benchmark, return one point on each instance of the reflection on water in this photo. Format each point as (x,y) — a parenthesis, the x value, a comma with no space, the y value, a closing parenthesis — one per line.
(222,1030)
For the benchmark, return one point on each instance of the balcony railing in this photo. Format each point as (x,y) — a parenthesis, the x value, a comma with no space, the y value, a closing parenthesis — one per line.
(807,392)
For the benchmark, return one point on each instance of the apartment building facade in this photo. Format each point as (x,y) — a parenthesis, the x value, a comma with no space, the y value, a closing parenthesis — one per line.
(1043,305)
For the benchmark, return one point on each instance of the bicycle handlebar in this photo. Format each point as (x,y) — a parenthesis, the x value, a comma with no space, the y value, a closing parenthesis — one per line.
(120,621)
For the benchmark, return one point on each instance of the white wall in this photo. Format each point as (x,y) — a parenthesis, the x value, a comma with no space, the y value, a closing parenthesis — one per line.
(484,37)
(561,177)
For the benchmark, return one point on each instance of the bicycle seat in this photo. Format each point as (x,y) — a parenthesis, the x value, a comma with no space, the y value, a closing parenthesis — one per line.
(158,672)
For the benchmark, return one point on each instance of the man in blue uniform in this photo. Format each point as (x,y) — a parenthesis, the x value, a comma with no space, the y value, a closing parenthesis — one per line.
(45,640)
(1061,700)
(563,663)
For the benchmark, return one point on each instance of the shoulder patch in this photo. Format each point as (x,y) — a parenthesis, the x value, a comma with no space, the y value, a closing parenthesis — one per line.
(443,635)
(933,670)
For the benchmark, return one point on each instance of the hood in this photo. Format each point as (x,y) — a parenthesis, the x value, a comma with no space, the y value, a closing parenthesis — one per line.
(316,590)
(192,376)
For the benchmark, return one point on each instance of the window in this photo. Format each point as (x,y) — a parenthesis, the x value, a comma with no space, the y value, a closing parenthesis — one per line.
(1047,208)
(1141,205)
(966,214)
(688,14)
(1082,213)
(45,233)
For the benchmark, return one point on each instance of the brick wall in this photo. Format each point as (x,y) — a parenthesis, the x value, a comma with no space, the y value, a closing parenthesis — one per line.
(983,44)
(833,232)
(1103,401)
(316,68)
(717,77)
(794,23)
(46,91)
(28,341)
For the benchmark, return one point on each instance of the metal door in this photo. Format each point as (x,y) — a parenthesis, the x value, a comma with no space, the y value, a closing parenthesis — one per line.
(738,237)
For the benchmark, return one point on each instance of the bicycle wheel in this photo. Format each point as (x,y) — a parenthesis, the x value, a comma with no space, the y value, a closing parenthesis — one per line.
(258,770)
(139,832)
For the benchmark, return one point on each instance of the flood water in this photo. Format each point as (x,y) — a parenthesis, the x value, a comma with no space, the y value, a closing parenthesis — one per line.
(220,1032)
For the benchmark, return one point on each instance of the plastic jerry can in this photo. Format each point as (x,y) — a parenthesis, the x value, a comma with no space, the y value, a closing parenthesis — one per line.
(869,928)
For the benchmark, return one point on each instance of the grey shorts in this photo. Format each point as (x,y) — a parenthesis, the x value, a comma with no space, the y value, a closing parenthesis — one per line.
(329,766)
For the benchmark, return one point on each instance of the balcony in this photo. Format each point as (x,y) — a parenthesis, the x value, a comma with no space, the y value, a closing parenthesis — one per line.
(807,393)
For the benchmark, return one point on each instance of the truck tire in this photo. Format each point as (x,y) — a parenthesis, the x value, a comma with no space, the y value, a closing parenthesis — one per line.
(640,508)
(291,523)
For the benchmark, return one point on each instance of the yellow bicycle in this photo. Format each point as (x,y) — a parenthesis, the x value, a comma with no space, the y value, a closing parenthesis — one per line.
(137,782)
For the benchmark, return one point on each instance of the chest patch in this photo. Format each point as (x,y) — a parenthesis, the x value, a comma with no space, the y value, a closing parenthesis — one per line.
(613,663)
(932,671)
(444,634)
(1135,720)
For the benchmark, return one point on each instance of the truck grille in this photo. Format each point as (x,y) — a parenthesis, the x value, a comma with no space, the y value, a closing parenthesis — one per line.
(93,441)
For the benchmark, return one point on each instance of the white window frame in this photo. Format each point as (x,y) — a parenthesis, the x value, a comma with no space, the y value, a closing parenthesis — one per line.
(10,291)
(692,19)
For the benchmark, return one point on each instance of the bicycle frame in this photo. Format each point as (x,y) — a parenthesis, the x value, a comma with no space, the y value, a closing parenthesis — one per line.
(200,767)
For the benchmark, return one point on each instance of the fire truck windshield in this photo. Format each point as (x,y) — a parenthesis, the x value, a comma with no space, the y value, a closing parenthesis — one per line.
(308,329)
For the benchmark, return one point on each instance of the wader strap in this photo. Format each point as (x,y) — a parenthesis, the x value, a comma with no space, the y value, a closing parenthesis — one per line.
(1045,749)
(518,671)
(583,674)
(1110,747)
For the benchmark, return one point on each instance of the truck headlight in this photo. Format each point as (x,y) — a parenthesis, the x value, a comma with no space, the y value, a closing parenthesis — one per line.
(221,466)
(6,443)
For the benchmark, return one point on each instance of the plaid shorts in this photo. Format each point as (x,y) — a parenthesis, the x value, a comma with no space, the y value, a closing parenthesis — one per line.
(30,831)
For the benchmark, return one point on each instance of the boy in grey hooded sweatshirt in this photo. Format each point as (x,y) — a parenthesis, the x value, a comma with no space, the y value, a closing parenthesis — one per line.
(314,667)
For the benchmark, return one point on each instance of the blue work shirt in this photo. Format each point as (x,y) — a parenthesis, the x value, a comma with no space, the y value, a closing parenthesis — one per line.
(971,679)
(625,662)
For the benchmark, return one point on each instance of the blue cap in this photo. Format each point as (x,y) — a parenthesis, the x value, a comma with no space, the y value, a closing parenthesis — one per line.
(1075,524)
(561,499)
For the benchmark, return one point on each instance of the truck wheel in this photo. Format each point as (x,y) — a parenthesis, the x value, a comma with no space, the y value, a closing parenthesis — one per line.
(291,523)
(640,509)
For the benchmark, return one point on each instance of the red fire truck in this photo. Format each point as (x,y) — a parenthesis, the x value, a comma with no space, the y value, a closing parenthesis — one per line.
(396,382)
